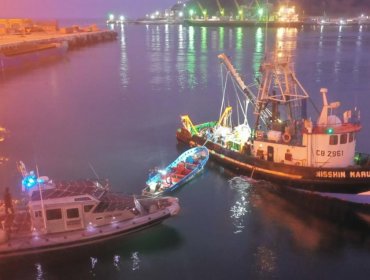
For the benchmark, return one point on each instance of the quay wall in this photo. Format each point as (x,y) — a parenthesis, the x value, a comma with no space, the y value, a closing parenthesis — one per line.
(74,40)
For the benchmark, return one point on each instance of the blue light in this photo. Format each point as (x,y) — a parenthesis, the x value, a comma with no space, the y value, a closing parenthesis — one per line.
(40,180)
(29,181)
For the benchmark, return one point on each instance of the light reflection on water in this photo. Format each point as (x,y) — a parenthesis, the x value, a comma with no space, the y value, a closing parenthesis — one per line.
(135,261)
(93,261)
(39,272)
(124,60)
(241,205)
(266,261)
(117,262)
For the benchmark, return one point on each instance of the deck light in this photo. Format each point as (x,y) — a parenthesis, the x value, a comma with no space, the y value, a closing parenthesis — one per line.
(163,172)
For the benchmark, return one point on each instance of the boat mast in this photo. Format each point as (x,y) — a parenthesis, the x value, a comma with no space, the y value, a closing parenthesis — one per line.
(41,199)
(279,90)
(246,90)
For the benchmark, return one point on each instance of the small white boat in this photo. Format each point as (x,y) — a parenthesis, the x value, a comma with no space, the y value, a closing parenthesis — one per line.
(64,215)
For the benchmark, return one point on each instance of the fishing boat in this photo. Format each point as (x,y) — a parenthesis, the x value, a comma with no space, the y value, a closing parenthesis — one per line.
(179,172)
(29,54)
(62,215)
(282,143)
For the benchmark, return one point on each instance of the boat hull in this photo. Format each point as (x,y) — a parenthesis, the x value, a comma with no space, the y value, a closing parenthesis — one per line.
(345,180)
(37,244)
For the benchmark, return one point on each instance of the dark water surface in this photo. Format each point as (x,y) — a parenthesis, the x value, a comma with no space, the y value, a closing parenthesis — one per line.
(116,106)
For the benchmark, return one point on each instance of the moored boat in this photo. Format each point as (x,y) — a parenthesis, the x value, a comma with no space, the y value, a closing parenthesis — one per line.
(284,144)
(29,54)
(177,173)
(64,215)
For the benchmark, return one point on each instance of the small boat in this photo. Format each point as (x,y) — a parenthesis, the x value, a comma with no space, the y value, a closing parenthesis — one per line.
(282,143)
(29,54)
(63,215)
(182,170)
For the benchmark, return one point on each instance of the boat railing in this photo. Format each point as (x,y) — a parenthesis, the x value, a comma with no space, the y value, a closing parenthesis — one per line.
(352,126)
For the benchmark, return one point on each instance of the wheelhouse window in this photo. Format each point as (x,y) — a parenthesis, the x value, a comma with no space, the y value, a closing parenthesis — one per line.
(53,214)
(38,214)
(351,137)
(87,208)
(333,140)
(72,213)
(343,138)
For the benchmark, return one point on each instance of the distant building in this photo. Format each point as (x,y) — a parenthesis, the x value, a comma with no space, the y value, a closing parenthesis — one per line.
(15,25)
(46,25)
(25,26)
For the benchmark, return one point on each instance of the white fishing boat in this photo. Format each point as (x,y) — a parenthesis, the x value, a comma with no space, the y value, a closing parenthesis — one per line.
(283,143)
(61,215)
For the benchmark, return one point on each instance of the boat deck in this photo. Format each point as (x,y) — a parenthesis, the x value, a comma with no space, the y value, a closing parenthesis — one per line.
(73,188)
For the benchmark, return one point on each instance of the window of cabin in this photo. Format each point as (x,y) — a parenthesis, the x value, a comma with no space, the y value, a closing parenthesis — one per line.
(72,213)
(87,208)
(53,214)
(343,138)
(37,214)
(333,140)
(351,137)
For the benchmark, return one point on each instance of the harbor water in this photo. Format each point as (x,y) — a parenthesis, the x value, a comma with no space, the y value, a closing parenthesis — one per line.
(111,110)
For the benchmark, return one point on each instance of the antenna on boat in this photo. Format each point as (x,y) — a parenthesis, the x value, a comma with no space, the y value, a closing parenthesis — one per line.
(93,170)
(41,199)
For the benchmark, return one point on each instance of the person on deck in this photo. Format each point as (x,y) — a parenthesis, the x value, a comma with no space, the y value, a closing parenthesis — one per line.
(8,202)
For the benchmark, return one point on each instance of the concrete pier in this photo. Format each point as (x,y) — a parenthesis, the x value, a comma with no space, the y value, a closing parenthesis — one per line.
(74,40)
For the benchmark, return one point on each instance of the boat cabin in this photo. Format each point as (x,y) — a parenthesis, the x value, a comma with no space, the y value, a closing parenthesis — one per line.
(76,205)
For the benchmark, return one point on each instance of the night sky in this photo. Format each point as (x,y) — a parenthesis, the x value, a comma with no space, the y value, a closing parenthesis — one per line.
(80,8)
(138,8)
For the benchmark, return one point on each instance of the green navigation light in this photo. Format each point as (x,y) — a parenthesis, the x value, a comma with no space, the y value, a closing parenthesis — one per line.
(330,130)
